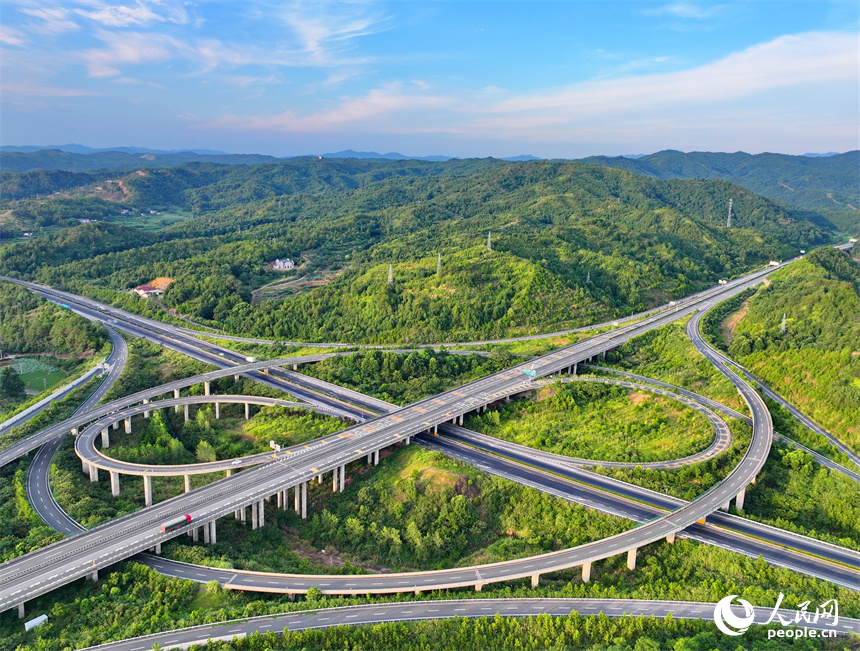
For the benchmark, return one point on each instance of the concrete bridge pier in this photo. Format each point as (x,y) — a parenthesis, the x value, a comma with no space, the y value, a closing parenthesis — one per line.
(156,549)
(206,391)
(725,505)
(436,430)
(128,425)
(334,474)
(478,587)
(116,424)
(575,368)
(228,472)
(304,500)
(297,498)
(187,479)
(21,611)
(105,438)
(147,490)
(586,572)
(461,419)
(376,458)
(205,533)
(670,539)
(186,413)
(195,535)
(213,535)
(342,477)
(247,411)
(74,431)
(94,473)
(217,410)
(176,395)
(146,413)
(631,559)
(535,580)
(739,500)
(253,515)
(94,576)
(114,483)
(85,467)
(280,499)
(235,378)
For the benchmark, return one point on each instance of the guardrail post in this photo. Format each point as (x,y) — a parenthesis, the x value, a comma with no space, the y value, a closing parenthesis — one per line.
(114,483)
(586,572)
(128,425)
(187,483)
(105,438)
(147,490)
(94,473)
(631,559)
(535,580)
(739,500)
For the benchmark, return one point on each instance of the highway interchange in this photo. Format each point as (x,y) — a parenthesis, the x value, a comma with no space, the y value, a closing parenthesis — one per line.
(407,422)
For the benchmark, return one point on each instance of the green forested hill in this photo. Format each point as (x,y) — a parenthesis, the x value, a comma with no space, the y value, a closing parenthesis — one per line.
(572,244)
(829,185)
(816,363)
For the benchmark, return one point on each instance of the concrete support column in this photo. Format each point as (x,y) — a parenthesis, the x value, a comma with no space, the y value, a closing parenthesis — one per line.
(186,412)
(739,500)
(195,535)
(21,611)
(725,505)
(478,587)
(298,496)
(247,411)
(94,473)
(114,483)
(319,478)
(206,533)
(147,490)
(334,474)
(116,424)
(213,536)
(535,580)
(280,499)
(228,472)
(253,515)
(187,483)
(128,425)
(376,458)
(369,458)
(670,539)
(242,514)
(304,500)
(217,410)
(146,413)
(407,440)
(235,378)
(631,559)
(461,419)
(436,430)
(94,576)
(105,438)
(74,431)
(85,467)
(586,572)
(261,518)
(575,367)
(342,477)
(176,395)
(206,391)
(157,548)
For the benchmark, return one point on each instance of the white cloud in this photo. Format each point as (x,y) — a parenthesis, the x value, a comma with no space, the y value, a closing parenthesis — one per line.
(13,37)
(685,10)
(54,20)
(121,15)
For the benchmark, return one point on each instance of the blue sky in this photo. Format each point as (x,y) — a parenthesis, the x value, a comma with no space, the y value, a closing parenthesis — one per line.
(491,78)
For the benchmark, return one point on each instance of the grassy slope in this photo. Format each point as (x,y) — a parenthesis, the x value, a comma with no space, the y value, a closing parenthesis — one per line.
(595,421)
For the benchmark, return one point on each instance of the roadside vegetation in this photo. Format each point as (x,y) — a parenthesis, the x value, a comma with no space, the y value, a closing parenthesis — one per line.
(591,420)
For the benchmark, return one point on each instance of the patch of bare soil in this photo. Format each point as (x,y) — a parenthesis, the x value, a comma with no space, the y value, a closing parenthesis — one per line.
(727,327)
(328,557)
(638,397)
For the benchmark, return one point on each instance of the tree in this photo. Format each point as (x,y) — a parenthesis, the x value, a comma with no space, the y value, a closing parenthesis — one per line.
(11,384)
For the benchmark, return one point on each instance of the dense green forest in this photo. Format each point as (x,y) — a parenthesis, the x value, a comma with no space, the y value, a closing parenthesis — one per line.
(815,363)
(30,324)
(571,244)
(827,185)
